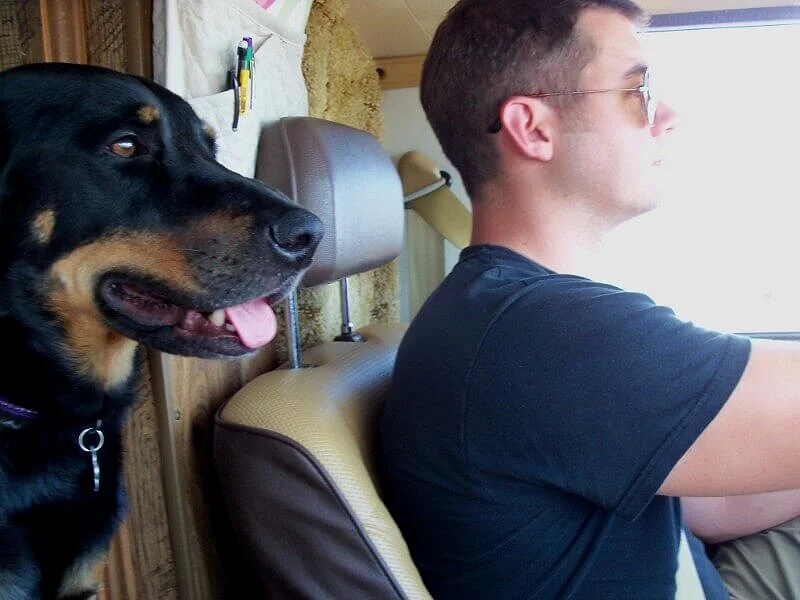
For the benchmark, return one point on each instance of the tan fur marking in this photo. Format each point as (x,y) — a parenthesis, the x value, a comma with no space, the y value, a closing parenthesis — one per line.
(234,229)
(147,114)
(98,352)
(210,132)
(80,578)
(43,225)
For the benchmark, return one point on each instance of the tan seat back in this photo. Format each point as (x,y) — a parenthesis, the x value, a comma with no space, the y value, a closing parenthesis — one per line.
(295,451)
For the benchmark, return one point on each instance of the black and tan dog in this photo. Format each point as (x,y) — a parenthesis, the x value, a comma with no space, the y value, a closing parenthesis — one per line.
(119,228)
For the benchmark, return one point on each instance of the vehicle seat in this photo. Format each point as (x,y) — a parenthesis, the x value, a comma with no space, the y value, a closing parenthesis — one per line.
(295,449)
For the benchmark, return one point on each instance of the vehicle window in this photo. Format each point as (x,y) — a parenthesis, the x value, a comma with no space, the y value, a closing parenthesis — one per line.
(723,247)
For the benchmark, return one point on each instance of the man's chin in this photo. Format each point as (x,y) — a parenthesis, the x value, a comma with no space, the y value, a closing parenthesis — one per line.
(640,206)
(651,204)
(650,198)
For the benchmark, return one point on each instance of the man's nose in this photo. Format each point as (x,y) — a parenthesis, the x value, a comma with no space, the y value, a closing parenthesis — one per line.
(665,120)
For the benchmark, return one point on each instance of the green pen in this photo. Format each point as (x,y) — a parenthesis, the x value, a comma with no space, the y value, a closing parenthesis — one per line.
(251,65)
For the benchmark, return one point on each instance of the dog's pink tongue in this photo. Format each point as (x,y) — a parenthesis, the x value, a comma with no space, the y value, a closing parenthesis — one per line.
(254,322)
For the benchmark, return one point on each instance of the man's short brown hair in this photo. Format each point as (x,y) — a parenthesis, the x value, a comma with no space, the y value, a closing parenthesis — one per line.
(486,51)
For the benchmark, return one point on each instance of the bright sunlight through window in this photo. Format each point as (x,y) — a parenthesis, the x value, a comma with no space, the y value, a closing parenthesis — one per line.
(723,247)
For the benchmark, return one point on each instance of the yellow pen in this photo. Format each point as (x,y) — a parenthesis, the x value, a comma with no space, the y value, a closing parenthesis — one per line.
(243,75)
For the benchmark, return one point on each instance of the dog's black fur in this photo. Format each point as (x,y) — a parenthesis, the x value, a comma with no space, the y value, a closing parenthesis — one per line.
(117,228)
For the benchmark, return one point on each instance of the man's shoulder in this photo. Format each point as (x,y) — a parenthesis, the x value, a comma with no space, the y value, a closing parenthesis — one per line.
(499,259)
(499,265)
(491,283)
(499,275)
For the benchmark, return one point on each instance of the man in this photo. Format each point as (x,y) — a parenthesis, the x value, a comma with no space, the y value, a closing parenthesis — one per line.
(542,426)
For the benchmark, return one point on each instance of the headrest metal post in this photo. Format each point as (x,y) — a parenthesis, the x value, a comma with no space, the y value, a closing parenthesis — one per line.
(293,332)
(347,334)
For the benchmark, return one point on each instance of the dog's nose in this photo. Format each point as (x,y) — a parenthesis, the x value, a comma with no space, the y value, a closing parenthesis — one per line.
(296,234)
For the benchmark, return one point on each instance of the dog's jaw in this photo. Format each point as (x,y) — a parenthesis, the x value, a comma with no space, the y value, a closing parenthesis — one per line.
(228,330)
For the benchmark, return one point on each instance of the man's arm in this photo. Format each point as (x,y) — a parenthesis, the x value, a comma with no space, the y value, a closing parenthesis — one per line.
(716,520)
(753,444)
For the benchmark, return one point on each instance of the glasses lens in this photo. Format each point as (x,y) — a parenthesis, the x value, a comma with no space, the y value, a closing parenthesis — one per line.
(650,102)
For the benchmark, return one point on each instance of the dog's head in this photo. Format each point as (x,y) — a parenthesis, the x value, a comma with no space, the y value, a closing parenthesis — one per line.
(119,226)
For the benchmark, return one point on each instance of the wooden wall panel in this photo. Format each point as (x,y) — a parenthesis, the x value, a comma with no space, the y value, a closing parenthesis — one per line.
(105,34)
(20,33)
(400,71)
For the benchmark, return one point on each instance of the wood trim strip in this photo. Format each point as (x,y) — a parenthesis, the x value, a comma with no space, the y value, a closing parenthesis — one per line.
(399,71)
(138,18)
(170,473)
(63,31)
(149,530)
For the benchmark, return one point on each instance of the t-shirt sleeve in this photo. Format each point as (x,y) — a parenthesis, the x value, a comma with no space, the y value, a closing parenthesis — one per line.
(601,393)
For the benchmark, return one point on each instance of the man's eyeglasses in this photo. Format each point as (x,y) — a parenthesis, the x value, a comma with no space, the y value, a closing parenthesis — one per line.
(650,103)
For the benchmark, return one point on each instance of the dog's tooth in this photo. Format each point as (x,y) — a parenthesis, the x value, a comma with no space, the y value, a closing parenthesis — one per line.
(217,317)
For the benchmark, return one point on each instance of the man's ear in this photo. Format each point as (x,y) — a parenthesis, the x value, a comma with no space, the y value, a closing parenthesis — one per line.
(528,124)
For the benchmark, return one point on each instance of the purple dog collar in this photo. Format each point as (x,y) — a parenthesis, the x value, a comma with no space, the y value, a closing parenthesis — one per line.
(16,413)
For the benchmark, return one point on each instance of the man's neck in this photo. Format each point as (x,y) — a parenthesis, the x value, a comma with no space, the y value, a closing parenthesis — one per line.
(556,233)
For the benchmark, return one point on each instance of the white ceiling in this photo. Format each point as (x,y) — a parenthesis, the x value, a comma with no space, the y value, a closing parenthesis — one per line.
(405,27)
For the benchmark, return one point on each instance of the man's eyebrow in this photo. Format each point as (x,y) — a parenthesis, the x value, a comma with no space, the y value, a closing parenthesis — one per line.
(637,69)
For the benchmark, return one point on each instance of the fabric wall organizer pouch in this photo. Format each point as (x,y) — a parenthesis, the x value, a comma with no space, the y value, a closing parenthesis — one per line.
(194,49)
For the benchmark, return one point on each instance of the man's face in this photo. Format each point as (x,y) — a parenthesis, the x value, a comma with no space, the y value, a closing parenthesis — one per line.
(609,153)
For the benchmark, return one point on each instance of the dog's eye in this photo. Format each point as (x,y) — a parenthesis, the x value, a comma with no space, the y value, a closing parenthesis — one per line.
(126,147)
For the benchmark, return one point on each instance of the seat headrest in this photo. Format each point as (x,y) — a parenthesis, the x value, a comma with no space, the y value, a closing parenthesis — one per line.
(345,177)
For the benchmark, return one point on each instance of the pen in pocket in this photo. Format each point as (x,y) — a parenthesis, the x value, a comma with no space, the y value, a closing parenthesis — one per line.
(251,61)
(243,75)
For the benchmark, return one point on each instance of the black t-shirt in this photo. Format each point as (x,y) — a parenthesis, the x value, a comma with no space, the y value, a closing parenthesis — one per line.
(532,418)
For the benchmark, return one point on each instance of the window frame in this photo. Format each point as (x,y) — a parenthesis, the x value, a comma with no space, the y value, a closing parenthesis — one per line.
(715,19)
